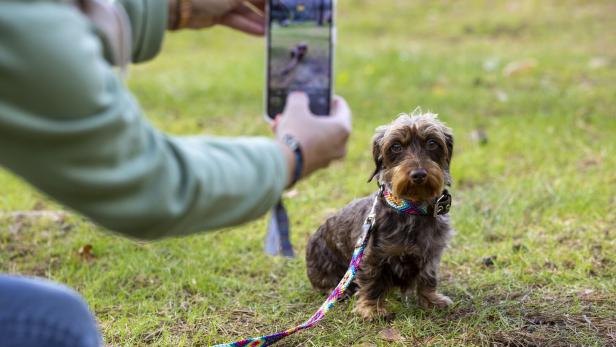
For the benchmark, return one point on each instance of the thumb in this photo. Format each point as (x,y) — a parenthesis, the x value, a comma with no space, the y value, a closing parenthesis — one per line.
(341,112)
(297,103)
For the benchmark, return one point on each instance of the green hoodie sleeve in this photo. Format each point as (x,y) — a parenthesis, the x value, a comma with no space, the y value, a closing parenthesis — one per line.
(148,20)
(70,128)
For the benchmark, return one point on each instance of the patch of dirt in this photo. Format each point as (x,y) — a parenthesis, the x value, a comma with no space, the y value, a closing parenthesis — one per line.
(547,329)
(551,324)
(30,234)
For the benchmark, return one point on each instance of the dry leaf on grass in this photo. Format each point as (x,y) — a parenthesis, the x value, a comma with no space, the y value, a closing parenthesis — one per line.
(85,253)
(519,67)
(391,335)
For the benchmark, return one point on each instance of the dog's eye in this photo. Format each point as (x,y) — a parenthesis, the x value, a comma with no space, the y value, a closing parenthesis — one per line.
(396,148)
(432,145)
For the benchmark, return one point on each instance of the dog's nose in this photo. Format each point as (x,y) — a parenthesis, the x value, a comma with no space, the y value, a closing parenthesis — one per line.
(419,176)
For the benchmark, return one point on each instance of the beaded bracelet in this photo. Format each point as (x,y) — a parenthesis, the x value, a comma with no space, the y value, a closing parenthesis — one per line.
(183,10)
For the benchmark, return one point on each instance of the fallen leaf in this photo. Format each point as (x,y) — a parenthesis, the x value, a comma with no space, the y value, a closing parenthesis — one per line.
(519,67)
(391,335)
(85,253)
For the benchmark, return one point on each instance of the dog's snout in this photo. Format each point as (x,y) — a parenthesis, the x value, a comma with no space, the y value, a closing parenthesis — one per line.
(419,175)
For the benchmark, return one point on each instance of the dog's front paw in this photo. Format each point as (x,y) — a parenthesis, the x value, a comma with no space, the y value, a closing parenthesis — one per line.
(372,310)
(433,299)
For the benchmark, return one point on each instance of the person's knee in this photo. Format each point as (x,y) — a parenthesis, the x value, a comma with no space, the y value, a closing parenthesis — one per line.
(37,313)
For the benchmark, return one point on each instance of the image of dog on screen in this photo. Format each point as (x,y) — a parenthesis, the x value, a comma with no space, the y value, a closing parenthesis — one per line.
(300,51)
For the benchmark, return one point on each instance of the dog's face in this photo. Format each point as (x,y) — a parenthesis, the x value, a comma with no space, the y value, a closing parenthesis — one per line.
(412,156)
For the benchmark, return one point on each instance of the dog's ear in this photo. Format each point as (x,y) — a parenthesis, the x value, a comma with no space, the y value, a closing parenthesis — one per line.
(376,151)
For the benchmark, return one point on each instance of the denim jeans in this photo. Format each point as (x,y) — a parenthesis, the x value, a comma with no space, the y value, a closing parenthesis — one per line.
(38,313)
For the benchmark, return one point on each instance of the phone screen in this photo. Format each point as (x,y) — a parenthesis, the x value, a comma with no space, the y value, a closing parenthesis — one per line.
(299,53)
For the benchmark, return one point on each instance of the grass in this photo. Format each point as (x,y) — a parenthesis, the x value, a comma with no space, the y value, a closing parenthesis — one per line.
(534,183)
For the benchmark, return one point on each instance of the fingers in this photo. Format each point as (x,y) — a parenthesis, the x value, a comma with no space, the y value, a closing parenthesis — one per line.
(256,6)
(249,8)
(297,103)
(242,23)
(253,17)
(341,118)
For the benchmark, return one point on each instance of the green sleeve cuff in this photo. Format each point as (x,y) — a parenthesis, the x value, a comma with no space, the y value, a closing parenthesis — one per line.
(281,165)
(148,23)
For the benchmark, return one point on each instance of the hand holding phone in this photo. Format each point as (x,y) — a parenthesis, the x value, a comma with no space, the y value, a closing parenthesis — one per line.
(299,53)
(322,139)
(243,15)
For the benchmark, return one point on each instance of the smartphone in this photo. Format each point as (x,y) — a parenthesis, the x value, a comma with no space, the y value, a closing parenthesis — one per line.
(300,44)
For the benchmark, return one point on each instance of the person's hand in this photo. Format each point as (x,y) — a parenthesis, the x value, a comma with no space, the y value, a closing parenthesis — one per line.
(321,138)
(243,15)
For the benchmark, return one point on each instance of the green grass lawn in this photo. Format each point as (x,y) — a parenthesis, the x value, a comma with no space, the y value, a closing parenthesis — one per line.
(529,88)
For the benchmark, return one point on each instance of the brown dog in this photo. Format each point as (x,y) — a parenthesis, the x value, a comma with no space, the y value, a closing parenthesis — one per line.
(412,157)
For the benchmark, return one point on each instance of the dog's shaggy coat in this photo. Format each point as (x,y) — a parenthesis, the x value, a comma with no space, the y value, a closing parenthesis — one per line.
(412,157)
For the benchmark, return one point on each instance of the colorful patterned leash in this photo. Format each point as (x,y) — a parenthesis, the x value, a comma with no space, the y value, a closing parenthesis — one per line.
(336,294)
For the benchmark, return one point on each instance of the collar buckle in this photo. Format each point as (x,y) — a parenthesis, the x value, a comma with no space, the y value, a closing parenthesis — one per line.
(442,204)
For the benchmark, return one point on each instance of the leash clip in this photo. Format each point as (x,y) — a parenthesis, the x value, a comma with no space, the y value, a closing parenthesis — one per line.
(442,204)
(368,225)
(372,214)
(369,221)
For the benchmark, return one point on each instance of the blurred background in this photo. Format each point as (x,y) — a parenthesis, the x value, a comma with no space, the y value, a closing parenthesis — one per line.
(529,88)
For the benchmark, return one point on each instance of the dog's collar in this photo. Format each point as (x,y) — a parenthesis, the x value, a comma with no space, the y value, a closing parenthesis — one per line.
(440,206)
